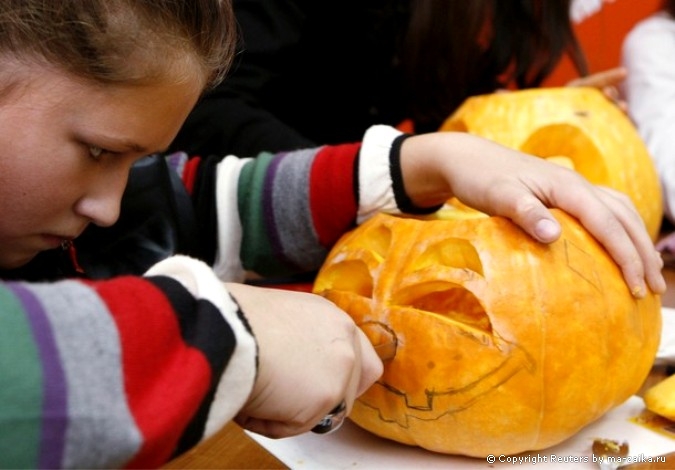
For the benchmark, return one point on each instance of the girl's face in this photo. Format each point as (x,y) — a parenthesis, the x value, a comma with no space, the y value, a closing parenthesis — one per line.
(66,148)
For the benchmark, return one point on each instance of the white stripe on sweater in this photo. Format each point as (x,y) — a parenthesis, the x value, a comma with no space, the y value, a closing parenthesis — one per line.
(228,265)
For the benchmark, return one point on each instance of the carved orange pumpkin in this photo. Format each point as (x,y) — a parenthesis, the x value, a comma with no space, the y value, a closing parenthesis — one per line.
(577,126)
(500,344)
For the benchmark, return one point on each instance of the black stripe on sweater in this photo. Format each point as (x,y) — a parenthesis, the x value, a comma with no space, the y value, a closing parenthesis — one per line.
(203,327)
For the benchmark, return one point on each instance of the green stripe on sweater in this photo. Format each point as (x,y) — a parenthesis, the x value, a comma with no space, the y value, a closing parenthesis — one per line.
(257,253)
(21,390)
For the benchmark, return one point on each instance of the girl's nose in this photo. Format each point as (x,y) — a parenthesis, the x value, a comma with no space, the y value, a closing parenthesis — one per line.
(101,204)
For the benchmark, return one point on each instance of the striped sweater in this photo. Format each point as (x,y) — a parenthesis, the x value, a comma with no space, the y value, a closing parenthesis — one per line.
(131,371)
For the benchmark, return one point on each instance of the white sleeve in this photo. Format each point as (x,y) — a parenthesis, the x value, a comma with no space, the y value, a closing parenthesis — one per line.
(376,191)
(649,57)
(582,9)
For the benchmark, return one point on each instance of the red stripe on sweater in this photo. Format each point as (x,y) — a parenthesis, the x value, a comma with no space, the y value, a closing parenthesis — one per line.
(332,200)
(190,173)
(165,380)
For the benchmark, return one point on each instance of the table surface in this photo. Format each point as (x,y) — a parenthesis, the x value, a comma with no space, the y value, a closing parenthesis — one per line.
(231,448)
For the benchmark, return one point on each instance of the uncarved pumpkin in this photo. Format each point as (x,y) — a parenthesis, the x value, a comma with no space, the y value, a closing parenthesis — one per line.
(579,127)
(500,344)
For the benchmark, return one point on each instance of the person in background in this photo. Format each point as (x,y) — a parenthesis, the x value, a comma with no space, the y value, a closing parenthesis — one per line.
(648,54)
(107,363)
(374,62)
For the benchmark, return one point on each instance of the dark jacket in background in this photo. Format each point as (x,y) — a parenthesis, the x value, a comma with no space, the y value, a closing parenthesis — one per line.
(308,72)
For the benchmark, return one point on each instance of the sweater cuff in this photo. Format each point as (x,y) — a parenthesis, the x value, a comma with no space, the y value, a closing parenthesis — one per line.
(403,201)
(236,383)
(376,192)
(381,187)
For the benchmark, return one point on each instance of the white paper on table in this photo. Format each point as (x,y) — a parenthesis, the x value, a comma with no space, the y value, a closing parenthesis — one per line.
(354,448)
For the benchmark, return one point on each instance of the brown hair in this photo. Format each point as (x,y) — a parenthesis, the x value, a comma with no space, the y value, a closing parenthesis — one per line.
(127,41)
(459,48)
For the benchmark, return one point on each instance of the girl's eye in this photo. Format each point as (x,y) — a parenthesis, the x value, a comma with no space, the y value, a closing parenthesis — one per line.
(95,151)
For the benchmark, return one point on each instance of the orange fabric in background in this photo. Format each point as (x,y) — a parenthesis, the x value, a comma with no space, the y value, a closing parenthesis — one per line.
(601,36)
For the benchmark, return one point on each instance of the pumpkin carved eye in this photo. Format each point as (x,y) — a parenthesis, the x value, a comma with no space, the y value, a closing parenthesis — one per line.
(582,153)
(454,259)
(350,277)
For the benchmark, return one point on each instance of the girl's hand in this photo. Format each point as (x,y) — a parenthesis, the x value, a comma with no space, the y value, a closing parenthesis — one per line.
(499,181)
(312,356)
(607,82)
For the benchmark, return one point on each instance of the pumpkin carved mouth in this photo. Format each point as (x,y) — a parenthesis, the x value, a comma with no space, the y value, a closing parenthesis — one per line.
(448,300)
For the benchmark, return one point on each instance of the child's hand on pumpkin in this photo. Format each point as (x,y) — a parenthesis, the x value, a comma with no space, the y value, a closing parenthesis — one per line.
(311,357)
(607,82)
(500,181)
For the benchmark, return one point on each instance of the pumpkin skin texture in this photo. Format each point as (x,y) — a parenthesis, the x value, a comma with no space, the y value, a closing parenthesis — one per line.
(578,127)
(500,344)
